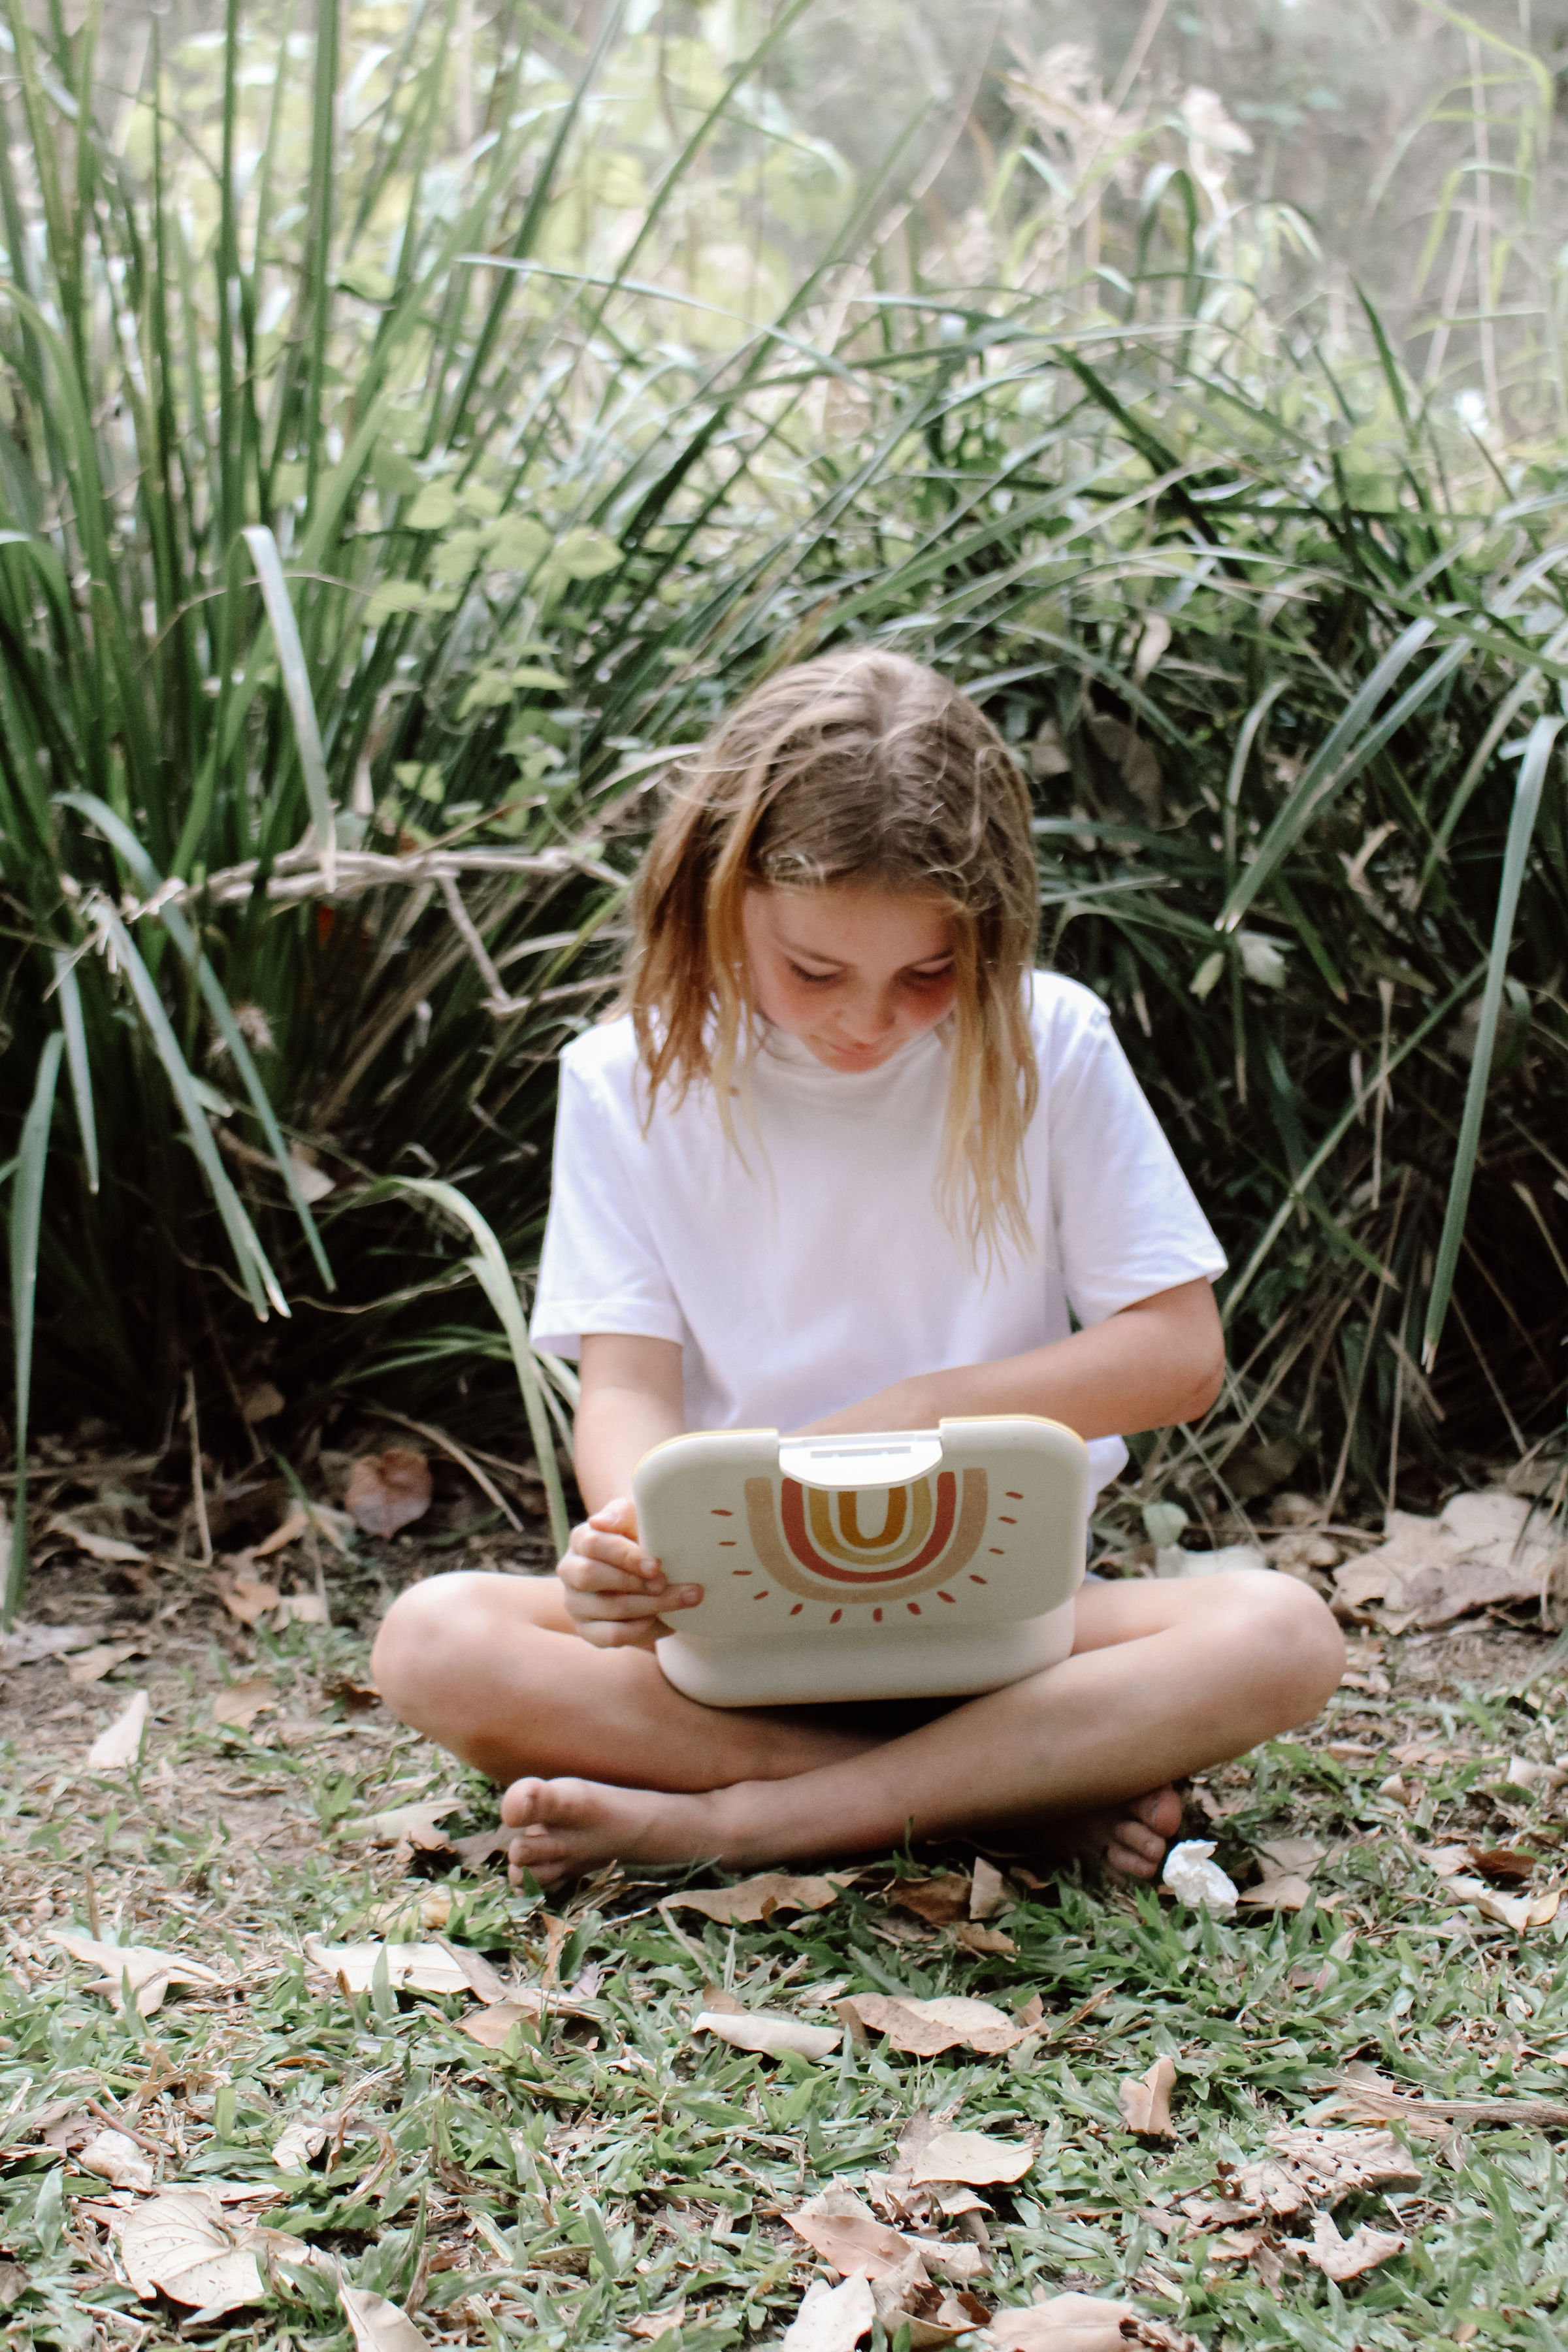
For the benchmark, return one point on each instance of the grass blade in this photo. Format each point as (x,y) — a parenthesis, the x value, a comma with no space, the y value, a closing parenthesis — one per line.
(27,1219)
(68,990)
(297,688)
(1521,827)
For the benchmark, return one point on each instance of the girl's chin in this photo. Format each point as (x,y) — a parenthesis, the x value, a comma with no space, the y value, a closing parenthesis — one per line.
(849,1057)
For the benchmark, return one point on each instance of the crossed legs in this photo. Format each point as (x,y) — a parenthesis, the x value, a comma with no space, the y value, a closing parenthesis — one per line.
(604,1759)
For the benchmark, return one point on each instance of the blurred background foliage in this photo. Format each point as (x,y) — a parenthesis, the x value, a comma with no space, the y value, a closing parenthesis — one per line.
(417,421)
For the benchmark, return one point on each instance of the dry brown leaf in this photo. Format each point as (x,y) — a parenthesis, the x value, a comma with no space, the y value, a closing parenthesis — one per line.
(1081,2323)
(289,1531)
(1309,2167)
(416,1825)
(246,1596)
(489,2027)
(769,2035)
(302,1609)
(721,2004)
(986,1939)
(845,2232)
(832,2319)
(92,1666)
(1502,1863)
(410,1968)
(1146,2100)
(1285,1893)
(483,1845)
(388,1491)
(989,1891)
(974,2156)
(926,2028)
(483,1979)
(1346,2257)
(120,1743)
(242,1702)
(556,1934)
(116,2157)
(1516,1911)
(905,2298)
(377,2325)
(938,1901)
(24,1645)
(757,1898)
(263,1401)
(1289,1856)
(652,2325)
(1363,2095)
(183,2243)
(1482,1552)
(96,1546)
(150,1972)
(297,2142)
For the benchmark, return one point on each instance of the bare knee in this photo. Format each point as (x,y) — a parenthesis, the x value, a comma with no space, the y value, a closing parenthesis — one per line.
(1292,1647)
(432,1641)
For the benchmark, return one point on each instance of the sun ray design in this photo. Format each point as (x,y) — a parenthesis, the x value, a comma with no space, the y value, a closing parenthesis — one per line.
(936,1533)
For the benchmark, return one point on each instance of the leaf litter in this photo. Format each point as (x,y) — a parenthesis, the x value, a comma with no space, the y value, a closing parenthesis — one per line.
(595,2163)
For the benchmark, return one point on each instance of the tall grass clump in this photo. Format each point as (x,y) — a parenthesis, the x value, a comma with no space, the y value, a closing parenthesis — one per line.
(382,517)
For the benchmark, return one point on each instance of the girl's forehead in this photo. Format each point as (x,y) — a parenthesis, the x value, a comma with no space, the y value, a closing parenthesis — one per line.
(851,920)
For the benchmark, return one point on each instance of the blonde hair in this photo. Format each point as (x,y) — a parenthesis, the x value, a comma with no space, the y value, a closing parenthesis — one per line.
(860,767)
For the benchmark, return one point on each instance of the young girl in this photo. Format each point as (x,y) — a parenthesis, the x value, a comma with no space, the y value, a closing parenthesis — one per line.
(846,1163)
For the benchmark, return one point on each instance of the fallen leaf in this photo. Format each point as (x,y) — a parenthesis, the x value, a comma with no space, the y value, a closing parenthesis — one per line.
(556,1934)
(757,1898)
(388,1491)
(938,1901)
(410,1968)
(354,1698)
(1481,1552)
(1515,1911)
(771,2036)
(974,2156)
(1286,1893)
(989,1891)
(410,1917)
(314,1182)
(116,2157)
(120,1744)
(1363,2094)
(986,1939)
(1310,2167)
(926,2028)
(1287,1855)
(904,2299)
(489,2027)
(482,1846)
(262,1403)
(832,2319)
(1346,2257)
(302,1609)
(96,1546)
(182,2244)
(242,1702)
(297,2142)
(1146,2100)
(418,1825)
(652,2325)
(848,2235)
(288,1532)
(1081,2323)
(1498,1863)
(92,1666)
(246,1596)
(150,1972)
(482,1979)
(23,1645)
(378,2325)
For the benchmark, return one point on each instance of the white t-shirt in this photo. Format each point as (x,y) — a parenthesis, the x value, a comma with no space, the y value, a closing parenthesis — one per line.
(814,1267)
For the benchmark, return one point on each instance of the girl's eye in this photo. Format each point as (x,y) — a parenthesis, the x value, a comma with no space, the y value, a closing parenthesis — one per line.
(931,979)
(814,979)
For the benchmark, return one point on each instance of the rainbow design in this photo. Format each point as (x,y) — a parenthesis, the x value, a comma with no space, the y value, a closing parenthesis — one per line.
(813,1540)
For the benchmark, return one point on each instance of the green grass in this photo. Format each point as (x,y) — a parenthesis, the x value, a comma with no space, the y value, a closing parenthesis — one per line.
(364,500)
(613,2165)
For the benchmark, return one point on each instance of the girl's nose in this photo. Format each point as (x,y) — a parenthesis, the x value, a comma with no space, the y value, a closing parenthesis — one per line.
(871,1019)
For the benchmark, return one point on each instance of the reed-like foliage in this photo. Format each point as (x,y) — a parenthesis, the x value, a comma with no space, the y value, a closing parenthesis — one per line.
(369,548)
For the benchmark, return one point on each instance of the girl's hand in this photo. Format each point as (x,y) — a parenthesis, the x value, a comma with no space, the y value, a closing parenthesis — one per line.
(614,1592)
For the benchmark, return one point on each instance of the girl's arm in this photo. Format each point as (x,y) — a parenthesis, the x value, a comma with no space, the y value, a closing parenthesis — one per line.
(1157,1362)
(632,1398)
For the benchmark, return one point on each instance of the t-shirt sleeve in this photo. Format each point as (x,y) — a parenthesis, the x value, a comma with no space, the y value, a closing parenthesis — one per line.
(1126,1222)
(599,1269)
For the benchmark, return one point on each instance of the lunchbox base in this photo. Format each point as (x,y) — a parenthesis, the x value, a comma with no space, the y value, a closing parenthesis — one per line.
(894,1664)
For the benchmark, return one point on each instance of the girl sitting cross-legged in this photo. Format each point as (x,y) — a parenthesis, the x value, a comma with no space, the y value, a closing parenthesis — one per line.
(845,1162)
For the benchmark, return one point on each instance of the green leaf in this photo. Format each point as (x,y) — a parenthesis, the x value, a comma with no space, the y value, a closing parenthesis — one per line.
(433,510)
(1522,827)
(27,1220)
(68,988)
(585,554)
(296,684)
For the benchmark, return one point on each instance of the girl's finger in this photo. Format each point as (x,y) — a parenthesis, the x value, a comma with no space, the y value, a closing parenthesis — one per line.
(620,1608)
(617,1551)
(593,1576)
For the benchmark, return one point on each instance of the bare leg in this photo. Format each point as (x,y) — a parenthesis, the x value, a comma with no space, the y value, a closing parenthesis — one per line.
(612,1762)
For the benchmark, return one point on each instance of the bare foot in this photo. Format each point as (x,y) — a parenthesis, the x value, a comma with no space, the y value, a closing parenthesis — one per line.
(1132,1837)
(566,1827)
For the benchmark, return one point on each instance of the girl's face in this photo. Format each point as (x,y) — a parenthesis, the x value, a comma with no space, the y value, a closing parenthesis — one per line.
(853,972)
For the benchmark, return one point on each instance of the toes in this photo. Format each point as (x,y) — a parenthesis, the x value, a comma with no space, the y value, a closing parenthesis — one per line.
(1137,1839)
(1159,1811)
(1124,1859)
(518,1805)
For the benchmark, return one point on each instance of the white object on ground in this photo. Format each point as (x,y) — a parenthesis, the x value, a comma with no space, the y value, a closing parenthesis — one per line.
(1194,1877)
(1172,1560)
